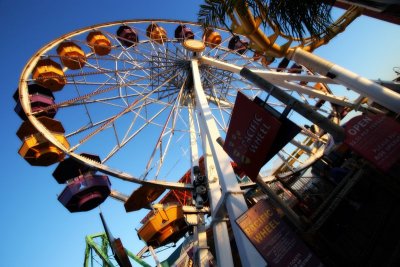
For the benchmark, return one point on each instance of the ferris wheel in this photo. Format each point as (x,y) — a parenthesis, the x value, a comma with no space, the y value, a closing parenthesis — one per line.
(144,100)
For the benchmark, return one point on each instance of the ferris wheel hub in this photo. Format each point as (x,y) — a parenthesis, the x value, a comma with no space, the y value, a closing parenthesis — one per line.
(194,45)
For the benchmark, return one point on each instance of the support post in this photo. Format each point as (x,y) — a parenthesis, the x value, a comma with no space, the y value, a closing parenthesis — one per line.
(153,253)
(99,251)
(235,203)
(291,215)
(223,249)
(361,85)
(335,130)
(199,230)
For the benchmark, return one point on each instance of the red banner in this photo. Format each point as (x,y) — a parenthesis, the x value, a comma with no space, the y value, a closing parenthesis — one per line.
(376,138)
(251,133)
(273,238)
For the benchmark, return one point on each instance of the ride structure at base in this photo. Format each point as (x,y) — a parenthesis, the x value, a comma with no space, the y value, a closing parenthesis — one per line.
(161,101)
(98,252)
(104,250)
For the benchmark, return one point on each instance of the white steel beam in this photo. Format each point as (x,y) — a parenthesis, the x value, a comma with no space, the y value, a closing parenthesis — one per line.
(272,76)
(223,251)
(286,80)
(363,86)
(235,203)
(200,228)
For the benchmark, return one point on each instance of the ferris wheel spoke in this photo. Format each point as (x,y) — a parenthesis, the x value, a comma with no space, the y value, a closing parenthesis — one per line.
(127,138)
(158,145)
(82,99)
(87,127)
(106,124)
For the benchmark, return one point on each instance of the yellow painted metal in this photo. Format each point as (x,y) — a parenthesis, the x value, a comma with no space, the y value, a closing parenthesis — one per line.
(99,43)
(212,38)
(166,225)
(194,45)
(72,55)
(49,74)
(321,87)
(243,22)
(295,155)
(156,33)
(37,151)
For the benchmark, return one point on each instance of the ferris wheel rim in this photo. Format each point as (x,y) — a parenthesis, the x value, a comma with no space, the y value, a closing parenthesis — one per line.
(24,97)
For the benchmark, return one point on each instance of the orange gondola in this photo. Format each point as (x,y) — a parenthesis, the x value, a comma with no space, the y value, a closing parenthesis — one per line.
(36,149)
(72,55)
(165,225)
(99,43)
(49,74)
(156,33)
(212,38)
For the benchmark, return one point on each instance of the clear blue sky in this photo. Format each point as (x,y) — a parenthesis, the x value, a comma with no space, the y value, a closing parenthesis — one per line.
(36,229)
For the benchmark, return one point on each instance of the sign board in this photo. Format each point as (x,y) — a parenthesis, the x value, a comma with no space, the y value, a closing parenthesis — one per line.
(252,131)
(376,138)
(286,132)
(273,238)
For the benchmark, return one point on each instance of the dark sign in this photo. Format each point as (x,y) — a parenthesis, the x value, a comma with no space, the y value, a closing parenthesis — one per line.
(286,132)
(251,133)
(273,238)
(376,138)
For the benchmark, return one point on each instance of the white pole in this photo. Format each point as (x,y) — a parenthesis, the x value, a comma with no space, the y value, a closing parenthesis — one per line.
(153,253)
(361,85)
(199,230)
(223,251)
(235,203)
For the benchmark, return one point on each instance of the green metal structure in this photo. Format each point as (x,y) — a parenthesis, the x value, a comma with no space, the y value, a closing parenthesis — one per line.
(98,252)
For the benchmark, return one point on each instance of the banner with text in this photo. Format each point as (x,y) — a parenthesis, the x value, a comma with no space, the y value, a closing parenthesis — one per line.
(273,238)
(376,138)
(252,131)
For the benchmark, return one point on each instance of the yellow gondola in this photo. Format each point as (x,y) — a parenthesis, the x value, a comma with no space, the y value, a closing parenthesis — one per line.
(36,149)
(156,33)
(212,38)
(49,74)
(72,55)
(165,225)
(99,43)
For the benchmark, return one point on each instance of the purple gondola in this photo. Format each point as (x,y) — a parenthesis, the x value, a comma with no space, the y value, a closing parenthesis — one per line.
(85,193)
(71,168)
(41,99)
(238,45)
(182,32)
(127,36)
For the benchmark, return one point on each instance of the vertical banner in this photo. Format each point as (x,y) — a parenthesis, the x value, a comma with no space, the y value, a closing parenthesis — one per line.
(286,132)
(376,138)
(273,238)
(252,131)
